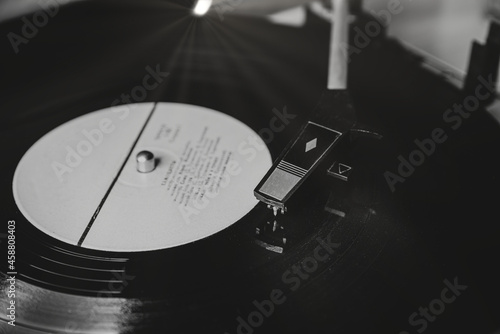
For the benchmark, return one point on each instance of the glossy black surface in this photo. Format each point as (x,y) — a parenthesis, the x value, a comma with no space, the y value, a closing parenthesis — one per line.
(395,249)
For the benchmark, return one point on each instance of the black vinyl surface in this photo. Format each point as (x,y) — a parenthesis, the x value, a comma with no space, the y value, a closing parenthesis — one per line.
(392,254)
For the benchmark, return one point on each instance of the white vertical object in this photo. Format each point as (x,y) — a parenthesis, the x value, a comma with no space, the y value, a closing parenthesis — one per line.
(339,41)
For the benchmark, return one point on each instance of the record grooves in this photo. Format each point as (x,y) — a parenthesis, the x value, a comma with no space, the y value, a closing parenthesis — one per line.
(347,259)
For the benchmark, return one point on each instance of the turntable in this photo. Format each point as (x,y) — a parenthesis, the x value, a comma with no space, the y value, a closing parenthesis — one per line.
(181,166)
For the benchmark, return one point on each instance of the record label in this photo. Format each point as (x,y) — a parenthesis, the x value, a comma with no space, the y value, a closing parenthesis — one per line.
(82,182)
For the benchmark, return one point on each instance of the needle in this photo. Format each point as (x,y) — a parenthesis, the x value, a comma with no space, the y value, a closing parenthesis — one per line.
(275,211)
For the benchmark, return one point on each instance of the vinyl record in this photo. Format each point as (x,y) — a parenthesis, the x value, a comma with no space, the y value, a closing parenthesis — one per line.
(177,243)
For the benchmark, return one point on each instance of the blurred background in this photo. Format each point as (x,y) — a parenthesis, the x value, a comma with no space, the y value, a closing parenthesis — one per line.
(441,28)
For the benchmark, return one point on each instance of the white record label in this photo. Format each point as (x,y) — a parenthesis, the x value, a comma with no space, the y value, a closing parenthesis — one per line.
(80,183)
